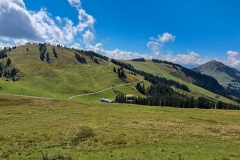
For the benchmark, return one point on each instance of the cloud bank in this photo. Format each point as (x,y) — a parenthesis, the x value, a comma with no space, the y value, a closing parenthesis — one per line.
(191,58)
(21,25)
(117,53)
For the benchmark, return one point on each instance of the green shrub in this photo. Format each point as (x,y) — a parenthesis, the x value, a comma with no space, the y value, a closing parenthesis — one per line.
(83,134)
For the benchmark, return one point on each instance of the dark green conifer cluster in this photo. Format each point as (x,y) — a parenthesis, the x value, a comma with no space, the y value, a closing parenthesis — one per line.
(80,58)
(42,49)
(6,68)
(120,72)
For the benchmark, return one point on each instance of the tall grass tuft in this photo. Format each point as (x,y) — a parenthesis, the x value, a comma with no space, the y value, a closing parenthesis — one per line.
(84,133)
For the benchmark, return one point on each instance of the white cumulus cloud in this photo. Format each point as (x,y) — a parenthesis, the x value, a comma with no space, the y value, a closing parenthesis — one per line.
(155,44)
(191,58)
(166,37)
(59,19)
(88,36)
(75,3)
(18,23)
(76,46)
(233,59)
(117,53)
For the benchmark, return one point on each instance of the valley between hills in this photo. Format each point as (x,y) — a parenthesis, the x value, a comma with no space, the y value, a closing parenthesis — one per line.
(43,117)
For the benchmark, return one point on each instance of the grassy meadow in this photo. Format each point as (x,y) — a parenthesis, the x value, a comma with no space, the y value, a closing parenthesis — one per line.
(41,128)
(63,76)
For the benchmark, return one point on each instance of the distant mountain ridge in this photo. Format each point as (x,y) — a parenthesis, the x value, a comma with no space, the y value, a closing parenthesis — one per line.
(225,75)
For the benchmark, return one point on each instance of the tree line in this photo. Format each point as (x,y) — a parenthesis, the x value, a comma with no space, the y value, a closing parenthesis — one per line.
(138,60)
(91,54)
(124,65)
(166,62)
(163,95)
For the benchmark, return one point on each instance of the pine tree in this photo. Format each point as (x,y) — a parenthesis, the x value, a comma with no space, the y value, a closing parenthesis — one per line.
(95,60)
(47,57)
(55,53)
(8,62)
(42,56)
(118,72)
(114,70)
(13,72)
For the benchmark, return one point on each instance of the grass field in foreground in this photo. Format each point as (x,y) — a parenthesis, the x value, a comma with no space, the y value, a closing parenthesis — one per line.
(93,130)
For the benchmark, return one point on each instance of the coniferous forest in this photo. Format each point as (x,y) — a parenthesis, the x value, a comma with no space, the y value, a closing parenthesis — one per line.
(6,68)
(163,95)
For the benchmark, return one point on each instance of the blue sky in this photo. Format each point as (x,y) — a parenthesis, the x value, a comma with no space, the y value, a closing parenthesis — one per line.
(186,32)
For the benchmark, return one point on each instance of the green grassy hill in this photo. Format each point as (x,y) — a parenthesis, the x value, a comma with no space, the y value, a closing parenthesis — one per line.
(63,76)
(225,75)
(161,69)
(173,72)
